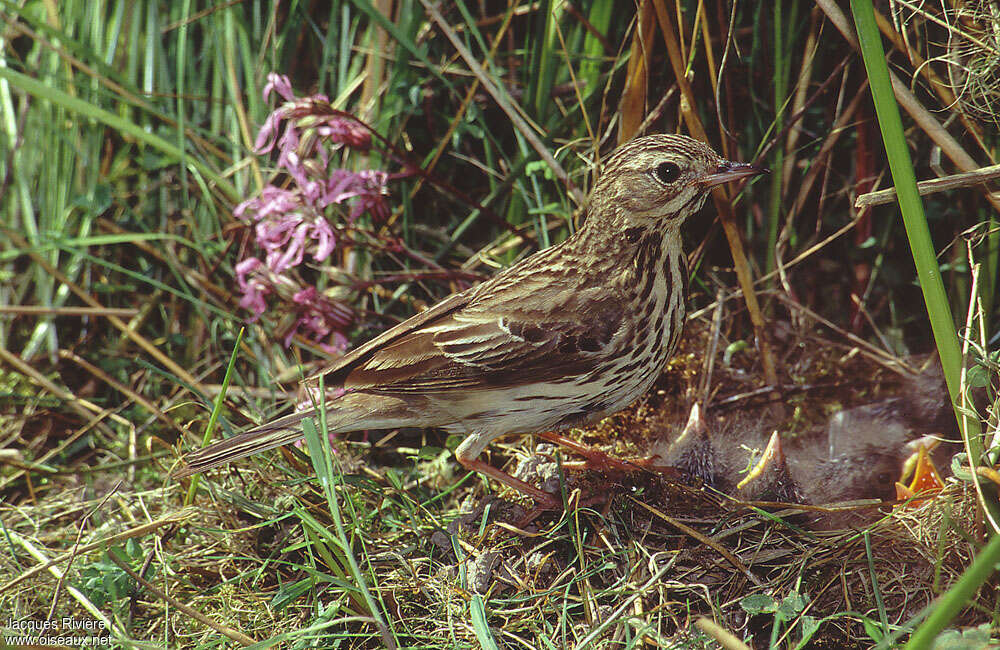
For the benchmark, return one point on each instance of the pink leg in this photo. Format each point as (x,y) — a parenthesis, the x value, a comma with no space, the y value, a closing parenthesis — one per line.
(542,499)
(597,459)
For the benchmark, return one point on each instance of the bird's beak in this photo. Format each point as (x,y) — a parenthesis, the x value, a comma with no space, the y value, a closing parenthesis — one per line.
(730,171)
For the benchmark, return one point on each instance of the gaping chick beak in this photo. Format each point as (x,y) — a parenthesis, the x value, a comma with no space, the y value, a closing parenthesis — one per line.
(730,171)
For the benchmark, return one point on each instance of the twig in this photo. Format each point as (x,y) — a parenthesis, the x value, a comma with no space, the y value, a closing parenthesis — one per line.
(774,392)
(144,343)
(707,541)
(721,198)
(117,385)
(78,595)
(705,388)
(83,408)
(39,310)
(76,547)
(38,465)
(910,103)
(856,340)
(973,446)
(932,186)
(654,579)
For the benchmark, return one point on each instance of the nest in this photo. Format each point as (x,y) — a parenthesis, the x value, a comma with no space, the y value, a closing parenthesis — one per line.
(659,544)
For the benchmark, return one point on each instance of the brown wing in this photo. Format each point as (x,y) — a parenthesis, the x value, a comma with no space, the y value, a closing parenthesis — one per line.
(508,331)
(339,369)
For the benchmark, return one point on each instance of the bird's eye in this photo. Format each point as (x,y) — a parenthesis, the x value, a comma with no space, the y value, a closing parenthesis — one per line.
(667,172)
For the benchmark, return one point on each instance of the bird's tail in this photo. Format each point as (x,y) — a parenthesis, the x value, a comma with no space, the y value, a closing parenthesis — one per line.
(348,412)
(275,433)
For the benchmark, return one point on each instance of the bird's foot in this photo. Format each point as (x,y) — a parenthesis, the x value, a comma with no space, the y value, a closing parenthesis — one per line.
(602,462)
(542,499)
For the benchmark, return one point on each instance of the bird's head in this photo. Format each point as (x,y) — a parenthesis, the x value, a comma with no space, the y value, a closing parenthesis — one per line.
(661,179)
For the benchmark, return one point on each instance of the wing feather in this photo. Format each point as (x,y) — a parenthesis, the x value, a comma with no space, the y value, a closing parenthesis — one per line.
(506,331)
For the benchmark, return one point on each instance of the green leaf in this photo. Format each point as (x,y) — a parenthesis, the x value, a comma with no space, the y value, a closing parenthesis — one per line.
(809,626)
(873,629)
(960,467)
(732,349)
(477,612)
(978,376)
(287,593)
(536,166)
(759,604)
(976,638)
(791,605)
(394,478)
(429,453)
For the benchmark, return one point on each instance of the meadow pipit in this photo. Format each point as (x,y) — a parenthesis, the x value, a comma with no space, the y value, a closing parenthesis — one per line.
(568,336)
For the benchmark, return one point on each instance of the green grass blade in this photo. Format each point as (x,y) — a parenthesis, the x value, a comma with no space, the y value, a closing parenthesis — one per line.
(322,459)
(477,612)
(944,609)
(942,323)
(216,410)
(85,109)
(917,231)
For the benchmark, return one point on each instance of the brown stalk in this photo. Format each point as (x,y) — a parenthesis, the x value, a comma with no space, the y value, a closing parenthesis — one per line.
(794,129)
(446,138)
(593,31)
(84,408)
(704,539)
(125,390)
(839,127)
(225,630)
(701,19)
(41,310)
(720,197)
(65,443)
(632,108)
(574,82)
(375,63)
